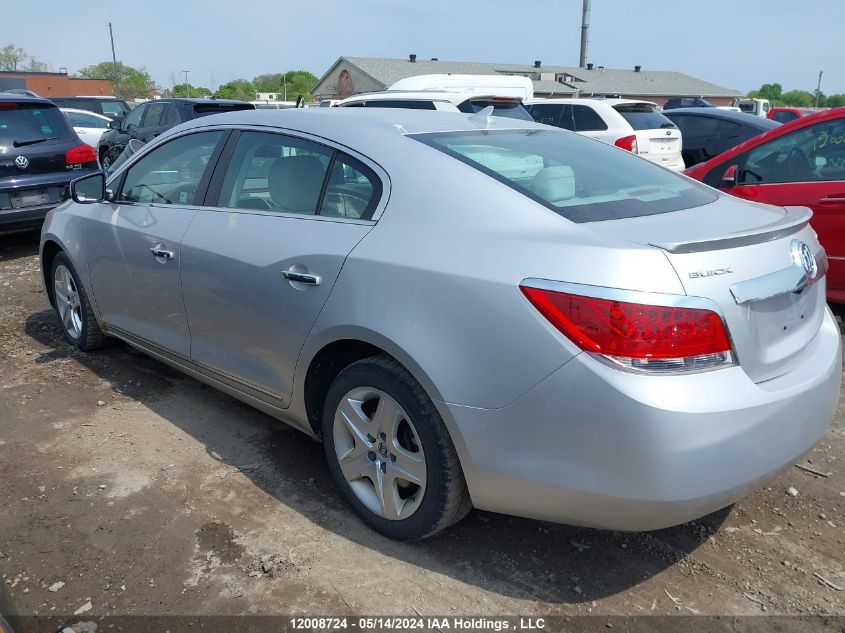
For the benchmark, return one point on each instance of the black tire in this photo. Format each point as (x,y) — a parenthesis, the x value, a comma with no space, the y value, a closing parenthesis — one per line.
(90,336)
(446,498)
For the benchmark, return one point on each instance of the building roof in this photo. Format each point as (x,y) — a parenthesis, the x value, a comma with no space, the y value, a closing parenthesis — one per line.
(567,79)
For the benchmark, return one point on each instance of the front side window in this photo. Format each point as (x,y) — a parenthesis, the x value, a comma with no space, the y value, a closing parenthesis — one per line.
(555,114)
(273,172)
(811,154)
(171,173)
(579,179)
(784,116)
(133,119)
(154,112)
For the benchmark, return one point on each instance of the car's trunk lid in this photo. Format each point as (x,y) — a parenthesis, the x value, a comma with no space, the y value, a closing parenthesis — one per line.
(741,256)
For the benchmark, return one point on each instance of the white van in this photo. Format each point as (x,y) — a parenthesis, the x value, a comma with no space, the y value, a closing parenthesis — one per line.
(637,126)
(452,93)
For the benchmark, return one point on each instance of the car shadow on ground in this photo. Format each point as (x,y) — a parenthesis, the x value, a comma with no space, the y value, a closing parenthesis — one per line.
(514,557)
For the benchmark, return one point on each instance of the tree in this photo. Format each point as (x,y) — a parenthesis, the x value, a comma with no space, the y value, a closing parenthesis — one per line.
(835,101)
(187,90)
(797,98)
(11,57)
(37,66)
(127,82)
(300,82)
(237,89)
(772,92)
(271,82)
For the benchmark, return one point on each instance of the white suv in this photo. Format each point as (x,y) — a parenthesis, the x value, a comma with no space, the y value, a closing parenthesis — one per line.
(637,126)
(451,93)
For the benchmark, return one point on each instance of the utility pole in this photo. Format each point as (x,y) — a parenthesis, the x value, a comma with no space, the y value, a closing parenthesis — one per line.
(111,37)
(186,82)
(818,90)
(285,82)
(585,31)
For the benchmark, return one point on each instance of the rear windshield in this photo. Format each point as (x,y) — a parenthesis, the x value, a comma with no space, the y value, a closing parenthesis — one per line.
(24,124)
(509,109)
(582,180)
(642,116)
(204,109)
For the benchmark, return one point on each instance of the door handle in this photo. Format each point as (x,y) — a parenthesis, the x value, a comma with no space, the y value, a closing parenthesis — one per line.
(832,200)
(302,278)
(159,251)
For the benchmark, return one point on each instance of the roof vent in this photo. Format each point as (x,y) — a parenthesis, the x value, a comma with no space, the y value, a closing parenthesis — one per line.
(637,69)
(589,66)
(537,63)
(434,59)
(412,58)
(601,67)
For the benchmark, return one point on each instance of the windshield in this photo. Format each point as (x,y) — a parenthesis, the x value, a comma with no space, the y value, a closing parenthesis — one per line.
(642,116)
(581,179)
(31,123)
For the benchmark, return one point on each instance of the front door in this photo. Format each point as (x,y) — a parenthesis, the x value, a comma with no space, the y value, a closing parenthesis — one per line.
(133,242)
(258,268)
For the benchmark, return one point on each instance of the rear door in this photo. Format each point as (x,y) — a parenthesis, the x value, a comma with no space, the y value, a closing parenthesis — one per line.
(258,267)
(805,167)
(133,242)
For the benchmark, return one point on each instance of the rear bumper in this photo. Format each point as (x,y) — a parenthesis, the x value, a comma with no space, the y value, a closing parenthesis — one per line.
(675,163)
(599,447)
(14,218)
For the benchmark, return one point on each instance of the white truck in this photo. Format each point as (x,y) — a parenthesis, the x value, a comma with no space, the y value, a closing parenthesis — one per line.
(757,107)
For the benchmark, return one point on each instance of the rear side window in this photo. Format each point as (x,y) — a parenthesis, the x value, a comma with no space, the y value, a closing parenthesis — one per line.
(23,124)
(171,173)
(576,177)
(556,114)
(353,190)
(585,119)
(504,108)
(154,112)
(643,117)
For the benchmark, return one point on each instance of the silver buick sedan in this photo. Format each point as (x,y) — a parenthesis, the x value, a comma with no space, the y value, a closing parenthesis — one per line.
(469,311)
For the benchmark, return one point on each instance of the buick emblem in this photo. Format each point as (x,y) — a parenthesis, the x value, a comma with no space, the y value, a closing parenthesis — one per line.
(803,256)
(22,162)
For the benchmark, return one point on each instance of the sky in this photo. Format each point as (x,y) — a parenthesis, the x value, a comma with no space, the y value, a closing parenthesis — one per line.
(737,44)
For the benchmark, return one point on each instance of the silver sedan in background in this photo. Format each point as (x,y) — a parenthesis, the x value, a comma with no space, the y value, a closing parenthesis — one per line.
(467,310)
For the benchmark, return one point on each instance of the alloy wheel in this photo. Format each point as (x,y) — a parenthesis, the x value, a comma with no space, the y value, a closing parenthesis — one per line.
(380,453)
(68,302)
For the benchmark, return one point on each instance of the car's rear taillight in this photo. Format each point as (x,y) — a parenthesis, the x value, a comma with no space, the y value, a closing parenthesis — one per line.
(635,335)
(80,154)
(628,142)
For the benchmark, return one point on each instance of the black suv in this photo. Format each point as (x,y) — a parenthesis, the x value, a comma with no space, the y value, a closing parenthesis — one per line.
(111,107)
(39,155)
(148,120)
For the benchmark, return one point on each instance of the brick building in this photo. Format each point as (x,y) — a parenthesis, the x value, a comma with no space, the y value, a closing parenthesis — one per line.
(54,84)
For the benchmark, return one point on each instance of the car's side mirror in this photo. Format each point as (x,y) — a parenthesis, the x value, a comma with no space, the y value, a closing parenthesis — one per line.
(114,124)
(89,189)
(730,178)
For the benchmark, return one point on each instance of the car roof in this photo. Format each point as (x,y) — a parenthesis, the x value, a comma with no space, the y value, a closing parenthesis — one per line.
(13,96)
(364,129)
(729,115)
(584,101)
(195,100)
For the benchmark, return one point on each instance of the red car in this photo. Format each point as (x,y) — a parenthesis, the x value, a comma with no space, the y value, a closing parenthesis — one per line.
(785,115)
(801,163)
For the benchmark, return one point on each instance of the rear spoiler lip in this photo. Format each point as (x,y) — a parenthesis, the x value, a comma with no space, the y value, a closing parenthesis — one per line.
(793,220)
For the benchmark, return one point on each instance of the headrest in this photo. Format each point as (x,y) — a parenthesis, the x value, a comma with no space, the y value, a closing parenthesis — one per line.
(294,183)
(554,184)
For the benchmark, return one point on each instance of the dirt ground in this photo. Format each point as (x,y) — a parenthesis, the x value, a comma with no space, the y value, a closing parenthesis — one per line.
(145,492)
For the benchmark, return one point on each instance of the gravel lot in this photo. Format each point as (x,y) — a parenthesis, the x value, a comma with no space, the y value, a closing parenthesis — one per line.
(145,492)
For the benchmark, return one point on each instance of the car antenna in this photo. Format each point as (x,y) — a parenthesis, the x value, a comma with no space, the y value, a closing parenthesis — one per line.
(483,117)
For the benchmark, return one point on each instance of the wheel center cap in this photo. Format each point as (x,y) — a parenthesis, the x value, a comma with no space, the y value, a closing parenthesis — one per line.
(382,449)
